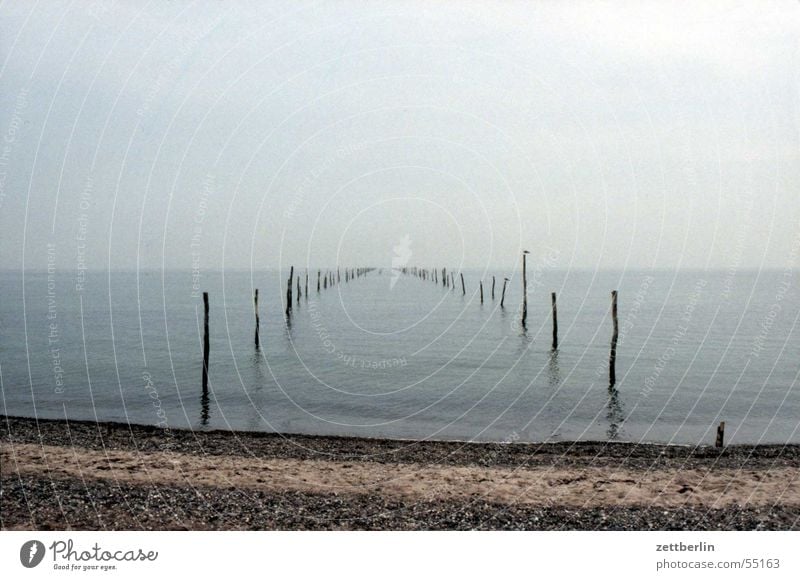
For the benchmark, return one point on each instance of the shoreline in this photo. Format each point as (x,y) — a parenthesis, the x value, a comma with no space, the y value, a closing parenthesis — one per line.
(214,440)
(245,480)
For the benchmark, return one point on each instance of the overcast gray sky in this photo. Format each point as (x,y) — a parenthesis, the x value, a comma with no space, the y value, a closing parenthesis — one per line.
(239,134)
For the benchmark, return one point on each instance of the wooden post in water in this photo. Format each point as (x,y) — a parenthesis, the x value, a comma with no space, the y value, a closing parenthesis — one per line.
(306,284)
(481,291)
(206,342)
(720,434)
(463,289)
(299,291)
(444,277)
(555,320)
(524,288)
(492,287)
(612,362)
(255,305)
(289,291)
(503,298)
(319,278)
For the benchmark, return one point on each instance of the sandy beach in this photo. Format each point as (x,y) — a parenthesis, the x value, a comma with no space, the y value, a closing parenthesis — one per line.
(83,475)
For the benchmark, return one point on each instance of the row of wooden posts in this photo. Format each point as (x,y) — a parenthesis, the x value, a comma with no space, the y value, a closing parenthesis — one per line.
(329,280)
(448,280)
(334,277)
(433,275)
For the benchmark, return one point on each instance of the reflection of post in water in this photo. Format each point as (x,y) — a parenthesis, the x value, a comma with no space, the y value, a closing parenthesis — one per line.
(526,340)
(553,370)
(289,325)
(258,364)
(204,406)
(615,414)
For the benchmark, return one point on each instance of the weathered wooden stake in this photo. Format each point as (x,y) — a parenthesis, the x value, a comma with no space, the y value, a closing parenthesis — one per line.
(492,287)
(289,291)
(524,288)
(444,277)
(319,280)
(481,291)
(206,342)
(255,305)
(299,291)
(720,434)
(555,320)
(306,284)
(503,298)
(463,289)
(612,363)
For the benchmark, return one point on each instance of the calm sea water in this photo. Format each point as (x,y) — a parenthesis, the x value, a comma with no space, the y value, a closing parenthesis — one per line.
(401,357)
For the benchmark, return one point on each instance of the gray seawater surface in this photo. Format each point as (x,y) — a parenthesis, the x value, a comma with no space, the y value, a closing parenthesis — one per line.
(396,356)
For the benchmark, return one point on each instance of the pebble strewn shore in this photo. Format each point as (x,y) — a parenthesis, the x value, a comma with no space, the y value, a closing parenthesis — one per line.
(100,505)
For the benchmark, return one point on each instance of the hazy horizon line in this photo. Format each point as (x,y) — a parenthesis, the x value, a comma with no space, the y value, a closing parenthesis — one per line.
(470,268)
